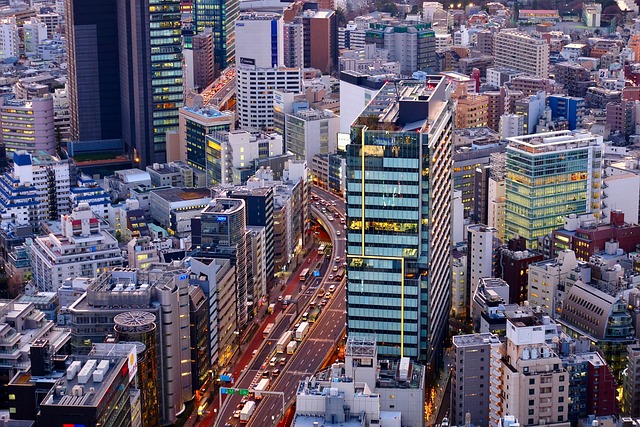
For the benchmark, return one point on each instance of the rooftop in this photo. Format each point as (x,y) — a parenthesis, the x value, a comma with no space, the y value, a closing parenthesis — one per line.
(541,143)
(475,339)
(173,195)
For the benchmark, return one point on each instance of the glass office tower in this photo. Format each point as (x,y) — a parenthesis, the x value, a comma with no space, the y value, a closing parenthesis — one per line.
(548,176)
(221,17)
(399,191)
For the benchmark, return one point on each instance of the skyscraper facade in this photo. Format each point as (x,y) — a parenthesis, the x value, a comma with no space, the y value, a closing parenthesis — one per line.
(126,78)
(94,76)
(551,175)
(399,174)
(220,16)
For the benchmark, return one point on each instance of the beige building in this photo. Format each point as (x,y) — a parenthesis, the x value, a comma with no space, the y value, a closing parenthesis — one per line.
(535,386)
(520,51)
(472,111)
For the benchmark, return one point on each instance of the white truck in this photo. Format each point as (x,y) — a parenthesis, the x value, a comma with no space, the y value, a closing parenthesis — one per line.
(247,411)
(260,387)
(302,330)
(281,345)
(291,347)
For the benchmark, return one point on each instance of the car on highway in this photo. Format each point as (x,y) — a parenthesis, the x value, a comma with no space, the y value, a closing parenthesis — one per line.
(335,268)
(323,302)
(332,288)
(338,232)
(334,203)
(337,259)
(283,360)
(327,295)
(330,278)
(236,413)
(275,372)
(280,298)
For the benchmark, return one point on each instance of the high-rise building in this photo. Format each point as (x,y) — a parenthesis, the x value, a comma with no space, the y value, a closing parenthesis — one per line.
(220,16)
(160,290)
(630,404)
(413,45)
(259,39)
(311,132)
(399,263)
(221,232)
(471,375)
(520,51)
(254,93)
(569,107)
(199,65)
(551,175)
(535,385)
(482,256)
(138,89)
(28,125)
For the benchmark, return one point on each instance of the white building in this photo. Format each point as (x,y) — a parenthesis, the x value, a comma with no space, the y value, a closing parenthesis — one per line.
(34,33)
(387,394)
(511,125)
(231,155)
(482,244)
(254,93)
(522,52)
(173,208)
(26,192)
(259,39)
(81,249)
(550,280)
(311,132)
(356,91)
(8,39)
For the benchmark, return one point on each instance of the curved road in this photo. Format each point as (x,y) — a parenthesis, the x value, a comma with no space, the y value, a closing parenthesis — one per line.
(315,348)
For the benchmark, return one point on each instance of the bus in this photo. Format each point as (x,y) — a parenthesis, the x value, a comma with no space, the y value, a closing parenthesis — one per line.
(304,274)
(268,330)
(321,248)
(314,315)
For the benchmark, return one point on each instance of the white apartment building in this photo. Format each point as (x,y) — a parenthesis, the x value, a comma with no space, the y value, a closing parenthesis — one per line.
(517,50)
(34,33)
(37,189)
(311,132)
(81,249)
(231,155)
(28,125)
(254,93)
(8,39)
(511,125)
(550,280)
(482,243)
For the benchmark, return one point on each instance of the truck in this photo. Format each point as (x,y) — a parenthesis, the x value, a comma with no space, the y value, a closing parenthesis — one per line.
(261,386)
(302,330)
(283,341)
(247,411)
(291,347)
(268,329)
(287,300)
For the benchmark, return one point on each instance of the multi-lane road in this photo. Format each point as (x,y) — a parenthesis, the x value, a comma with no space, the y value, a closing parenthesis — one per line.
(320,341)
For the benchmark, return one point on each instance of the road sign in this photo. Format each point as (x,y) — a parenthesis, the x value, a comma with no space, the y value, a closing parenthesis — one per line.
(243,392)
(240,391)
(316,273)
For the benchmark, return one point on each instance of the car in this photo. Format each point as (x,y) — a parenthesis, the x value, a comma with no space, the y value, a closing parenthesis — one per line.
(228,425)
(265,374)
(334,203)
(312,304)
(321,291)
(327,295)
(295,327)
(337,259)
(330,218)
(275,372)
(236,413)
(338,232)
(323,302)
(283,360)
(280,298)
(254,352)
(335,268)
(273,360)
(332,288)
(330,278)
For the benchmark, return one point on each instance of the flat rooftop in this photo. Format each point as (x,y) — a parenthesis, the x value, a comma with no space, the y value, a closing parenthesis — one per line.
(307,421)
(475,339)
(173,195)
